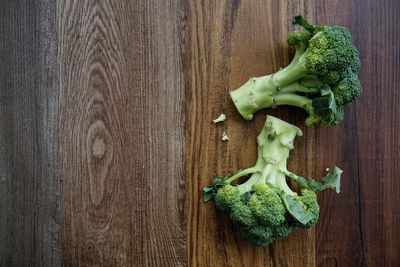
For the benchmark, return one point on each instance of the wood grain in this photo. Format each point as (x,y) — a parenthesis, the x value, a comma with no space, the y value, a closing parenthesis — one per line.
(231,42)
(122,138)
(360,227)
(29,184)
(106,133)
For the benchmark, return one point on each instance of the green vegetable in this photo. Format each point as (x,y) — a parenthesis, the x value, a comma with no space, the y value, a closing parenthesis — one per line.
(264,207)
(322,77)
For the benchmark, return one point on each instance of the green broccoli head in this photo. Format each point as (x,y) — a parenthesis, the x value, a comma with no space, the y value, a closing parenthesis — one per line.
(324,116)
(242,214)
(299,39)
(226,197)
(331,50)
(258,235)
(325,58)
(347,90)
(265,208)
(266,205)
(285,228)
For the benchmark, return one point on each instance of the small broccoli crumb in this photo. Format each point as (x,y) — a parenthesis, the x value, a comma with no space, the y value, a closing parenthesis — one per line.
(225,137)
(221,118)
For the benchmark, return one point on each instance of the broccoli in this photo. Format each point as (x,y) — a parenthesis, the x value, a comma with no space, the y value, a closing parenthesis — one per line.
(322,77)
(221,118)
(264,207)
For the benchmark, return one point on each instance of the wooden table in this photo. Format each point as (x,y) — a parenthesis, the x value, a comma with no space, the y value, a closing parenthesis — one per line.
(106,137)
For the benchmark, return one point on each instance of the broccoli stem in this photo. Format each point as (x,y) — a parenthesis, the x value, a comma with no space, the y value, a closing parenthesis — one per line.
(292,100)
(302,22)
(298,87)
(277,178)
(258,93)
(274,143)
(241,174)
(248,103)
(291,175)
(271,174)
(255,178)
(290,74)
(311,81)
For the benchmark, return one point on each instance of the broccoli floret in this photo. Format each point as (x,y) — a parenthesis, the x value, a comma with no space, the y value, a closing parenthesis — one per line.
(226,197)
(322,77)
(310,204)
(284,229)
(347,89)
(258,235)
(242,214)
(264,207)
(304,207)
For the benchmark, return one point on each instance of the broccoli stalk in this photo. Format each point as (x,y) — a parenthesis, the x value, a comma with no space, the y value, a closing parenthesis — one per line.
(322,77)
(264,207)
(274,143)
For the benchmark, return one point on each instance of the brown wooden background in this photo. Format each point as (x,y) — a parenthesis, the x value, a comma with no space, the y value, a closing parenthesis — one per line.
(106,136)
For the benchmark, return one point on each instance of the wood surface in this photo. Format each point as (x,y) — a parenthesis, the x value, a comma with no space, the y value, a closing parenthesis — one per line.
(122,133)
(29,117)
(106,133)
(361,226)
(231,42)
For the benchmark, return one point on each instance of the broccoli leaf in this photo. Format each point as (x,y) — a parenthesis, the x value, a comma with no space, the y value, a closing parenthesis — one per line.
(246,196)
(326,103)
(211,190)
(332,181)
(296,209)
(309,183)
(302,22)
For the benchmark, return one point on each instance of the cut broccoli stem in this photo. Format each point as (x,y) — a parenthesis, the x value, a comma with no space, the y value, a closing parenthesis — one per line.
(241,174)
(292,100)
(311,81)
(278,179)
(299,52)
(254,95)
(271,174)
(291,73)
(255,178)
(274,143)
(247,104)
(257,93)
(297,87)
